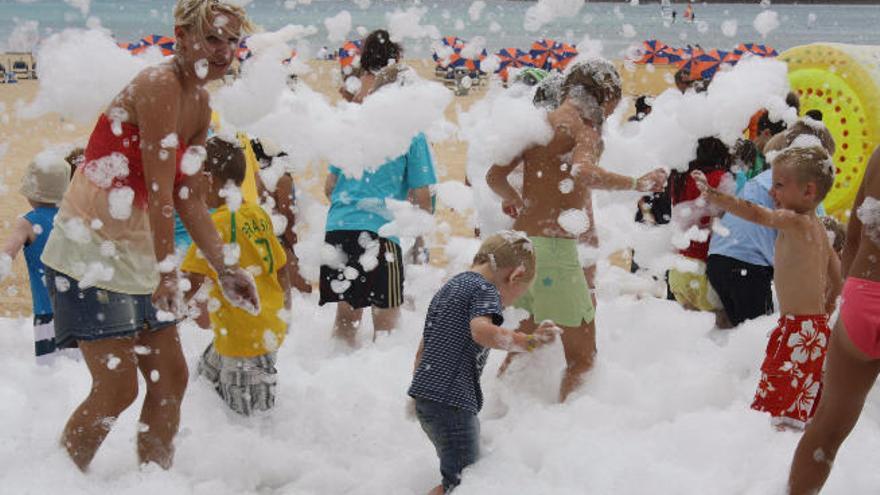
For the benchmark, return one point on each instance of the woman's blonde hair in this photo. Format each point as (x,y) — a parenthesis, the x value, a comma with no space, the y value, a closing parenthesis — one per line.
(507,249)
(195,14)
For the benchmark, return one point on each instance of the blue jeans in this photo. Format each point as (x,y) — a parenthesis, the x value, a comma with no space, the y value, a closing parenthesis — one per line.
(455,433)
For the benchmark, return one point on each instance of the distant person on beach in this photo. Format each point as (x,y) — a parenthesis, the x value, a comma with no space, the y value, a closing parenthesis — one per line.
(109,260)
(461,325)
(555,209)
(807,277)
(853,361)
(240,362)
(43,185)
(368,271)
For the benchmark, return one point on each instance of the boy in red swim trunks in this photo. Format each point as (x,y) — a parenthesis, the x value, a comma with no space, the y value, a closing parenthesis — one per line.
(807,277)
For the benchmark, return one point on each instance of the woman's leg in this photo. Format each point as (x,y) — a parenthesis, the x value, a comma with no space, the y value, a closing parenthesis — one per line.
(165,372)
(849,376)
(113,366)
(579,344)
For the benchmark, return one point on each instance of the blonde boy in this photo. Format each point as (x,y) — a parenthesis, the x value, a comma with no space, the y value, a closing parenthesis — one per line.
(460,328)
(807,277)
(240,362)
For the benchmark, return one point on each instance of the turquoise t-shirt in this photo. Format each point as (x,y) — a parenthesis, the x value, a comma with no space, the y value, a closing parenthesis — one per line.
(359,204)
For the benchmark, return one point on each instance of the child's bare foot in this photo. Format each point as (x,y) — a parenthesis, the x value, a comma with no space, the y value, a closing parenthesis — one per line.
(438,490)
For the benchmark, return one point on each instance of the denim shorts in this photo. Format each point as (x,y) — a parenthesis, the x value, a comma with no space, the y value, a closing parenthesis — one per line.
(94,314)
(455,433)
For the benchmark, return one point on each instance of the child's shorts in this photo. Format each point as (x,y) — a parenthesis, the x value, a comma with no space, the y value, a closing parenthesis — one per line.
(372,274)
(94,314)
(245,384)
(693,290)
(455,433)
(791,375)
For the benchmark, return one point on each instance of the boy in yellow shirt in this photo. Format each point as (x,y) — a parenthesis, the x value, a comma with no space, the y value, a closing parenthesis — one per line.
(240,362)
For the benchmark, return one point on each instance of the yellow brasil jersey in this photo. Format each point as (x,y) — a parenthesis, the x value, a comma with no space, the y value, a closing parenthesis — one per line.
(238,333)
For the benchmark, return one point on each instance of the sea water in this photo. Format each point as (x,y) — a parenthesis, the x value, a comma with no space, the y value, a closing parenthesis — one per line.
(618,25)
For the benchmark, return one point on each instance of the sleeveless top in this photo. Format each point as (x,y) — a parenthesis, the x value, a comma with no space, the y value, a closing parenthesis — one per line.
(41,218)
(102,236)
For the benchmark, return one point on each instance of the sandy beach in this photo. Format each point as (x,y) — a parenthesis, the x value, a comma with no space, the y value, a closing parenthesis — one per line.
(23,139)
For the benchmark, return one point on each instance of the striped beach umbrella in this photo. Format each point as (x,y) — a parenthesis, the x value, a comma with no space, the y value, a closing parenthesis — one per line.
(732,57)
(706,64)
(243,53)
(540,52)
(561,55)
(165,44)
(757,49)
(512,58)
(658,53)
(128,46)
(443,52)
(348,52)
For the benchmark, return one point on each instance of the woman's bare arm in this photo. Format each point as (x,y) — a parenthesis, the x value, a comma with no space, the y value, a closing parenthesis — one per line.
(190,204)
(854,227)
(585,163)
(157,102)
(497,179)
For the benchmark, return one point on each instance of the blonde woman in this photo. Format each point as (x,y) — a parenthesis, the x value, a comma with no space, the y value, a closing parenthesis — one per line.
(108,262)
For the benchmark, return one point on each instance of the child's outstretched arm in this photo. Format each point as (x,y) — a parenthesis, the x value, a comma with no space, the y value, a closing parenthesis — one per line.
(751,212)
(487,334)
(21,233)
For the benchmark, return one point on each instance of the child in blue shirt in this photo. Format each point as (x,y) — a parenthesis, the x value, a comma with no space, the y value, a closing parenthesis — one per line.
(460,328)
(43,185)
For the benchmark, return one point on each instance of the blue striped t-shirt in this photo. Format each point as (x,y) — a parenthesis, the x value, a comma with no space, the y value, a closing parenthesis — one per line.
(452,362)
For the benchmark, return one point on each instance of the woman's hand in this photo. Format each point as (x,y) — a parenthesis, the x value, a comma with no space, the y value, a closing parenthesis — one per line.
(238,287)
(512,207)
(167,296)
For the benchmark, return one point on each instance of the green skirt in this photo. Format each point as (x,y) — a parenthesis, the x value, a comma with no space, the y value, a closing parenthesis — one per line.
(560,291)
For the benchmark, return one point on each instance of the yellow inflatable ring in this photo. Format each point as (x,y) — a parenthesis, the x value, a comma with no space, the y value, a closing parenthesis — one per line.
(843,82)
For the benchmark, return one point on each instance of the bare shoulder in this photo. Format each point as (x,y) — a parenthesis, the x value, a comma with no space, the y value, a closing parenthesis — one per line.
(157,80)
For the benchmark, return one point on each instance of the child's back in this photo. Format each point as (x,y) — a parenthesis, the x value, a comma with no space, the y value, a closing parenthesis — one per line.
(803,256)
(238,333)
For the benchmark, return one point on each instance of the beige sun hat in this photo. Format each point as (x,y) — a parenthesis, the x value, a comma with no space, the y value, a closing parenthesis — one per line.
(46,180)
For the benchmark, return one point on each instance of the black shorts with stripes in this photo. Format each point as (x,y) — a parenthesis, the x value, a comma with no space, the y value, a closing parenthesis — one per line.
(361,269)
